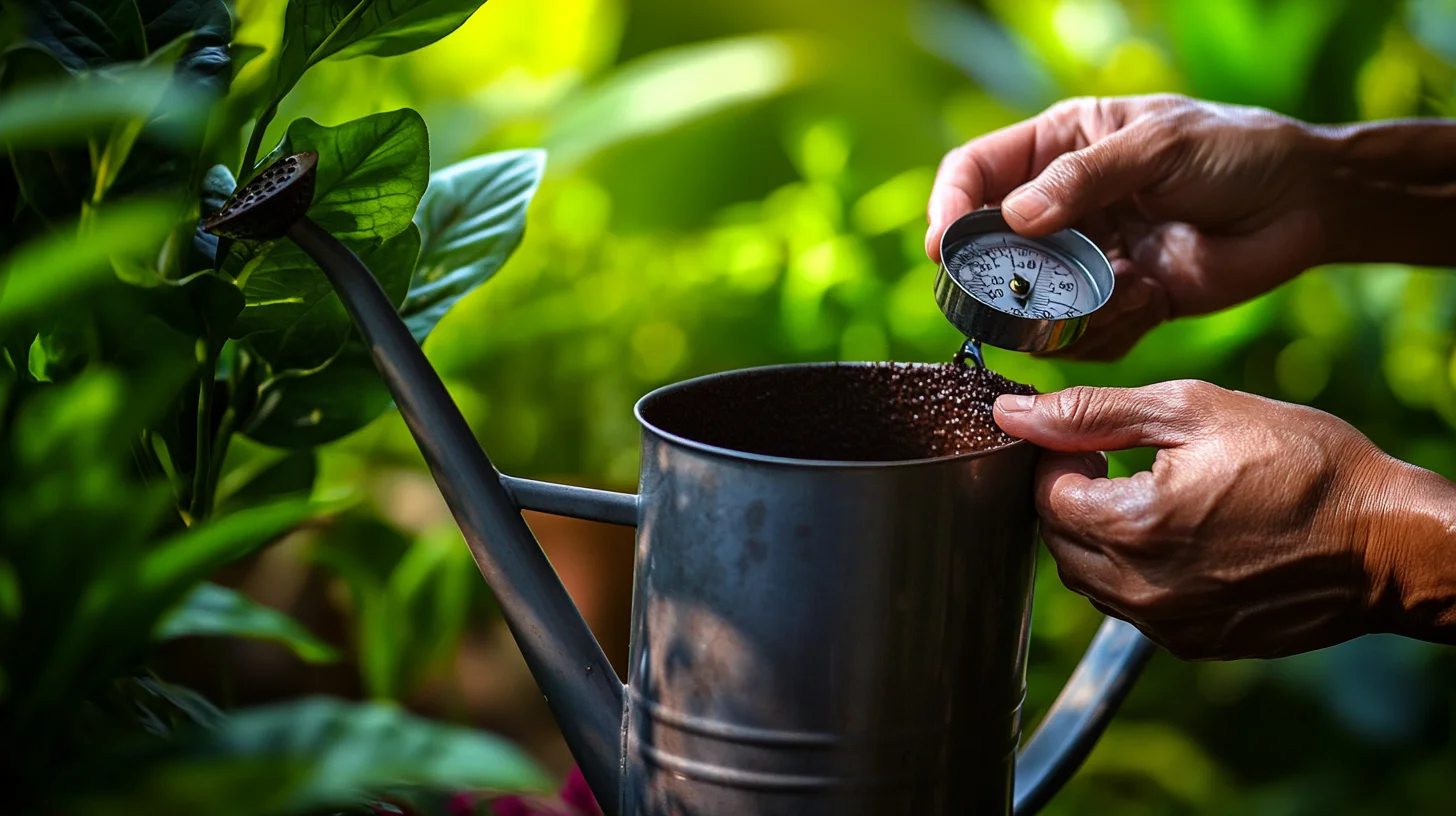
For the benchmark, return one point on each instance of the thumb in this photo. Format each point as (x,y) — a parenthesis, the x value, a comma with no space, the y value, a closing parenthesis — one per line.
(1079,183)
(1097,419)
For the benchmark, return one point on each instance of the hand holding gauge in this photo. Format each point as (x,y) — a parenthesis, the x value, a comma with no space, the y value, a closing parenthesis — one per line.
(1018,293)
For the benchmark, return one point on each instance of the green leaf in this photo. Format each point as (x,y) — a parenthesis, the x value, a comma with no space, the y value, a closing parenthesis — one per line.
(51,271)
(204,305)
(352,750)
(315,30)
(103,32)
(191,706)
(212,610)
(176,564)
(54,180)
(255,474)
(371,172)
(293,317)
(418,619)
(472,218)
(305,409)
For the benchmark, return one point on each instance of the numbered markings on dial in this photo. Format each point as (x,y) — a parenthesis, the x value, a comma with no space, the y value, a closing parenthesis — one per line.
(1010,274)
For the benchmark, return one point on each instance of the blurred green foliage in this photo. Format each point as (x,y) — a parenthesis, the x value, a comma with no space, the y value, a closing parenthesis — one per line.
(734,183)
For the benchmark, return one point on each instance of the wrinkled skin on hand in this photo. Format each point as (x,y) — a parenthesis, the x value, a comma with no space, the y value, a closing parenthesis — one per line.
(1263,529)
(1199,206)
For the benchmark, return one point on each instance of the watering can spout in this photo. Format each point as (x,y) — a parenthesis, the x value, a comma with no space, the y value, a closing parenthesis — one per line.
(583,690)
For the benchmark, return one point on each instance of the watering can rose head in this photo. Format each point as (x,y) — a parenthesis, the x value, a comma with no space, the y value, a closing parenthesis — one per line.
(267,206)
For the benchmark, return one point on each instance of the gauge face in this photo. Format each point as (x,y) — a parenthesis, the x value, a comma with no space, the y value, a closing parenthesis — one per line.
(1021,277)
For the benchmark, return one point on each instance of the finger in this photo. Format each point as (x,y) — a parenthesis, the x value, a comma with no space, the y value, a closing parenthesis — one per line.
(985,169)
(1080,182)
(1096,419)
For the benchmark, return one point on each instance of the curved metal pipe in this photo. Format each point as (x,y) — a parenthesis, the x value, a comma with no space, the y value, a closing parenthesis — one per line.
(584,693)
(1080,714)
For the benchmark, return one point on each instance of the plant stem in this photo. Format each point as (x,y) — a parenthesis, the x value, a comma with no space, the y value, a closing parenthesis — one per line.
(255,142)
(202,469)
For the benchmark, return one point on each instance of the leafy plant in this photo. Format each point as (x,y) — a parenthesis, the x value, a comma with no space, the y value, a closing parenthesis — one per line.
(135,350)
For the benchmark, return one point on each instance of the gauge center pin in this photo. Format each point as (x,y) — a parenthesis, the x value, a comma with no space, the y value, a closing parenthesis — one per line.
(1020,286)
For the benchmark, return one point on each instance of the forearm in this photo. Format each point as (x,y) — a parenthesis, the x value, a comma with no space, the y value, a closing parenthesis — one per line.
(1387,191)
(1411,554)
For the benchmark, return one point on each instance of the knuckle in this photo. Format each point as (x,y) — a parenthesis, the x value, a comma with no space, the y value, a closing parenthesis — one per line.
(1078,405)
(1071,107)
(1184,396)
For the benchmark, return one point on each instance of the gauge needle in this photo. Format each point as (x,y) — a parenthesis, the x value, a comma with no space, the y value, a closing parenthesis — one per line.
(1024,297)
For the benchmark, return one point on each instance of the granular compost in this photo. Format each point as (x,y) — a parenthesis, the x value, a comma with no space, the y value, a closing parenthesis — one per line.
(876,412)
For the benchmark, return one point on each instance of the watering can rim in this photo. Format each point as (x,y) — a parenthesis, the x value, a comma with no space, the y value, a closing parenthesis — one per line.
(789,461)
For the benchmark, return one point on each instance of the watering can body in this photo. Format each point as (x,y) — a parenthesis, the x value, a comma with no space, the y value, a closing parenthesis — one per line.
(808,636)
(820,638)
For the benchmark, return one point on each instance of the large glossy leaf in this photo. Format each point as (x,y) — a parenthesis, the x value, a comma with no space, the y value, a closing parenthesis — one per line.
(102,32)
(315,30)
(472,218)
(212,610)
(293,318)
(371,172)
(301,410)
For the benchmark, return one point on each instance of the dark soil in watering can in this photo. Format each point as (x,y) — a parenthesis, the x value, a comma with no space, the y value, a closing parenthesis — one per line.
(882,412)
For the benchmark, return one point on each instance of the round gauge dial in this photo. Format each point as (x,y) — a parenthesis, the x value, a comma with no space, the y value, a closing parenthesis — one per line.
(1019,293)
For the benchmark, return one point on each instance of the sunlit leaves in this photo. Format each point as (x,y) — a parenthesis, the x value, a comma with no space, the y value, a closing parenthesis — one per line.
(371,172)
(472,218)
(315,30)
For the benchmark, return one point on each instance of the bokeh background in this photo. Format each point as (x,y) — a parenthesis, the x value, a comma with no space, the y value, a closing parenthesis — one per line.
(742,182)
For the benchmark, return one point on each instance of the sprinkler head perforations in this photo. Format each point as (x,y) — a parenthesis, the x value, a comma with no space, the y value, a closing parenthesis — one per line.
(267,206)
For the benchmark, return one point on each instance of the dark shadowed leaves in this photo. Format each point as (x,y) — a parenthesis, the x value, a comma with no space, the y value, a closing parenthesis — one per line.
(293,318)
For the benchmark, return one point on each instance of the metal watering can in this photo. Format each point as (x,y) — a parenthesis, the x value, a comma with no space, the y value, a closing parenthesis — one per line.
(812,633)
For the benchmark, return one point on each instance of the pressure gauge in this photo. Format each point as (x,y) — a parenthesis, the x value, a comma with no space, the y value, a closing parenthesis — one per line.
(1017,293)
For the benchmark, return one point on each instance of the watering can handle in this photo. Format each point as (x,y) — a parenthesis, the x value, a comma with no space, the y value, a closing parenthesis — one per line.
(1071,726)
(1081,712)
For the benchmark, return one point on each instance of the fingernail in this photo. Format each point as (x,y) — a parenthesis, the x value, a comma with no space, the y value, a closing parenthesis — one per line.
(1028,203)
(1015,403)
(930,242)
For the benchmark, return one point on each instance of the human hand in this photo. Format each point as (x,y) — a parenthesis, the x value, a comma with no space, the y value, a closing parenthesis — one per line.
(1263,529)
(1199,206)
